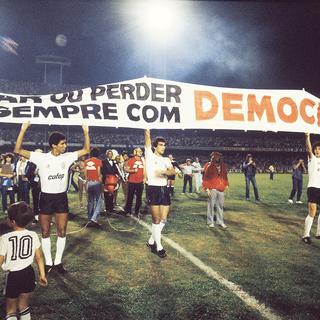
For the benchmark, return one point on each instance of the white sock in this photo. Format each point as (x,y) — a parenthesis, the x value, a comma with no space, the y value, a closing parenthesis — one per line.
(11,316)
(25,314)
(156,233)
(61,243)
(151,239)
(318,226)
(307,226)
(162,224)
(46,249)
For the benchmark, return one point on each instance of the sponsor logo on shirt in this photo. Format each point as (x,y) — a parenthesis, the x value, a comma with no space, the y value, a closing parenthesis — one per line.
(91,165)
(58,176)
(138,164)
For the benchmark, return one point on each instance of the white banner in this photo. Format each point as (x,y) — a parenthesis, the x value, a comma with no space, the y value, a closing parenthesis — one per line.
(155,103)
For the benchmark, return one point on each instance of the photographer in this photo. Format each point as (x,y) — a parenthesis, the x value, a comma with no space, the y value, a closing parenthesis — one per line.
(298,169)
(249,169)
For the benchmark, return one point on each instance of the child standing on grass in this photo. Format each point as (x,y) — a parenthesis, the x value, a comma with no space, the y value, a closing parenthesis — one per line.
(17,251)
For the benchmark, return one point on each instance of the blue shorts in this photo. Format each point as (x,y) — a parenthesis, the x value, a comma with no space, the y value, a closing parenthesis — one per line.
(51,203)
(313,195)
(158,196)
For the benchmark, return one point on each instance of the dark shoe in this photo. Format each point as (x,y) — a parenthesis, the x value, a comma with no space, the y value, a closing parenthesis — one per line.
(162,253)
(47,269)
(152,247)
(94,224)
(105,213)
(137,215)
(122,212)
(306,240)
(60,268)
(318,237)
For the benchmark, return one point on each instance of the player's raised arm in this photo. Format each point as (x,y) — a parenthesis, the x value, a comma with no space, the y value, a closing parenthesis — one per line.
(308,145)
(17,148)
(86,145)
(147,138)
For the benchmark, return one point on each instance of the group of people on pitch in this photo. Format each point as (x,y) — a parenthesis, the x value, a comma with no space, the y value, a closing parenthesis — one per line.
(19,247)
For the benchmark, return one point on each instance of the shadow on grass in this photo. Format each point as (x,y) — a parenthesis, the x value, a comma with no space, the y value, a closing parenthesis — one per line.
(196,197)
(203,311)
(289,223)
(91,304)
(286,220)
(78,245)
(236,224)
(144,305)
(222,235)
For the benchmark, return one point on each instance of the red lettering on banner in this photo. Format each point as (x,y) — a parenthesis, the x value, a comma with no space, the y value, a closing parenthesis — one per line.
(303,105)
(228,105)
(293,116)
(288,110)
(259,109)
(199,97)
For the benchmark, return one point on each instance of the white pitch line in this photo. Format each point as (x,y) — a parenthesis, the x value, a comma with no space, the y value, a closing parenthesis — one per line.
(251,301)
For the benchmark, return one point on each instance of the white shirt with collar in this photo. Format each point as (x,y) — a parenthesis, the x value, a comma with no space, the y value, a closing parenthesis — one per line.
(155,164)
(53,170)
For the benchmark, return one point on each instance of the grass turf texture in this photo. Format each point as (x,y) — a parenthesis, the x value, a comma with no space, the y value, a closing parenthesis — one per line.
(112,275)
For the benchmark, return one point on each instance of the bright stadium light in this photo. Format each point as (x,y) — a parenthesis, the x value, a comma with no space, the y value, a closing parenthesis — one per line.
(158,21)
(159,17)
(156,28)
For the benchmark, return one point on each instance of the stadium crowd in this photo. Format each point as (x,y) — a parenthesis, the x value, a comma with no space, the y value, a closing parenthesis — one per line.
(205,138)
(268,150)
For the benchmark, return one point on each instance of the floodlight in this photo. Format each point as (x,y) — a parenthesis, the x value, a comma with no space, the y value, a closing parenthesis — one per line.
(159,20)
(159,16)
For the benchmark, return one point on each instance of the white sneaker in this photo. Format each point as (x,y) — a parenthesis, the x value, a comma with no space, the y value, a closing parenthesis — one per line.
(223,226)
(211,225)
(290,200)
(299,202)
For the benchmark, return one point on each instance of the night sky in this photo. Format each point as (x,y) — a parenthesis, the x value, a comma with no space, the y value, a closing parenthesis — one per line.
(268,45)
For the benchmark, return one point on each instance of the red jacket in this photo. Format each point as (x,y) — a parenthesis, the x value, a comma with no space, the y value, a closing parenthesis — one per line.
(213,179)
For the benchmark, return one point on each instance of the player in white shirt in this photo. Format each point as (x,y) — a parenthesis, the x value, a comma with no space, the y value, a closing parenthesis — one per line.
(17,252)
(53,172)
(158,168)
(197,174)
(313,190)
(187,170)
